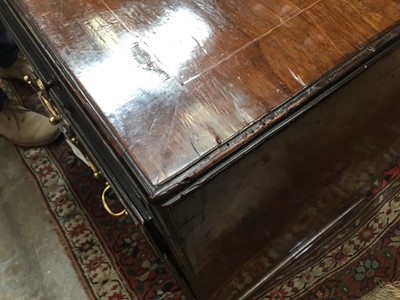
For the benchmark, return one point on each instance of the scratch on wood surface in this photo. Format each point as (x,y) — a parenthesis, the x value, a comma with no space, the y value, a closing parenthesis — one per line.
(117,17)
(297,78)
(169,133)
(251,43)
(191,143)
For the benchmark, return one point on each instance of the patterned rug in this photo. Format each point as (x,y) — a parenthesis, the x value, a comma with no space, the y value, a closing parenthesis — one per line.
(114,260)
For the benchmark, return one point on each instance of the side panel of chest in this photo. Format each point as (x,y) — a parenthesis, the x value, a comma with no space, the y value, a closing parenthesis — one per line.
(256,215)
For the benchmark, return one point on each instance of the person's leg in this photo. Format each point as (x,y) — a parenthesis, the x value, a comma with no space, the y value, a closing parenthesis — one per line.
(13,65)
(8,49)
(8,56)
(3,99)
(26,128)
(18,124)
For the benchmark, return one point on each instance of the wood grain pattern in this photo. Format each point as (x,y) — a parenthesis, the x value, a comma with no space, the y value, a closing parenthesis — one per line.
(216,125)
(176,80)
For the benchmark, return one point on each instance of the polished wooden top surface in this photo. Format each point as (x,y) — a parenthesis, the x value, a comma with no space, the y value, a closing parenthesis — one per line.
(176,80)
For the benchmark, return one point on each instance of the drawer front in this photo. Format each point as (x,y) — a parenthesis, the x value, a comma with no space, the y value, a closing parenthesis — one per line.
(85,143)
(78,133)
(63,110)
(62,114)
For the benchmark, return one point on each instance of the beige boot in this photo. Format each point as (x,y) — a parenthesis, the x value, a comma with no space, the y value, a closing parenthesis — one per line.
(26,128)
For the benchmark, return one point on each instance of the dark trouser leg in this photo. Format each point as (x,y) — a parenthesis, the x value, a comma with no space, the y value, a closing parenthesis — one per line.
(3,98)
(8,56)
(8,48)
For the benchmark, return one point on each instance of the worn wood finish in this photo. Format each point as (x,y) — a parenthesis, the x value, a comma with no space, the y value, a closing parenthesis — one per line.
(212,120)
(176,79)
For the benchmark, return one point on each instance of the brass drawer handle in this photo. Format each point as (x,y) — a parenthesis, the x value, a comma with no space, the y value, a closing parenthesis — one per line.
(32,80)
(54,116)
(38,85)
(35,83)
(107,208)
(41,86)
(92,166)
(81,153)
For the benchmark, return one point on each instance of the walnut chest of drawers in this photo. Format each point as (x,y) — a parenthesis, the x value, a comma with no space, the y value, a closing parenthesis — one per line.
(239,135)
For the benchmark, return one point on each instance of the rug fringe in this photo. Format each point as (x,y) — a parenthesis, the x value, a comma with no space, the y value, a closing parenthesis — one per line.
(387,291)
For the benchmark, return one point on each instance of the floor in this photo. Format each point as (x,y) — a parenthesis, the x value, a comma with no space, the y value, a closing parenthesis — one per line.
(33,262)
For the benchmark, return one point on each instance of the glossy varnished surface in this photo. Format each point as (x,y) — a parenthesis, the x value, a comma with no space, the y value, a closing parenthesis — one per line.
(176,86)
(176,79)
